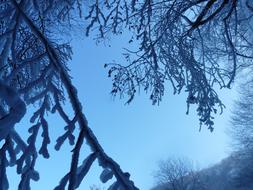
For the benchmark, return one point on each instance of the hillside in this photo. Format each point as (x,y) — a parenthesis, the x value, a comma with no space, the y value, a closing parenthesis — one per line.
(221,176)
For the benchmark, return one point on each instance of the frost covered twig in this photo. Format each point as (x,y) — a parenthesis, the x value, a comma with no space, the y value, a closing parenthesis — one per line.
(196,46)
(36,73)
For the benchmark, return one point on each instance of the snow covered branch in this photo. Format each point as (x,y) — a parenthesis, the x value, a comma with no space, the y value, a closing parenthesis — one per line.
(16,109)
(37,76)
(196,46)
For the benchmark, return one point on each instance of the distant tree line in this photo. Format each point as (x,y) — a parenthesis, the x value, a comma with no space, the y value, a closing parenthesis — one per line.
(178,174)
(241,132)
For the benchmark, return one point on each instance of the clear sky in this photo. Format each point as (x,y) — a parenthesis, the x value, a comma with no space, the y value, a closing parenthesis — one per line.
(138,135)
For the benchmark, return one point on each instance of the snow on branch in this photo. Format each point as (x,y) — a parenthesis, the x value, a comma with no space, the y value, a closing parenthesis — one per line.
(196,46)
(190,44)
(16,109)
(33,68)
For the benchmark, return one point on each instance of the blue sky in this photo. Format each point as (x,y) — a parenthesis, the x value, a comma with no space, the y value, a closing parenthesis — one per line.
(138,135)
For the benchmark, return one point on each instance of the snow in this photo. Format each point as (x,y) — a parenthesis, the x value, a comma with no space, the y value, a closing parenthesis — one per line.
(17,109)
